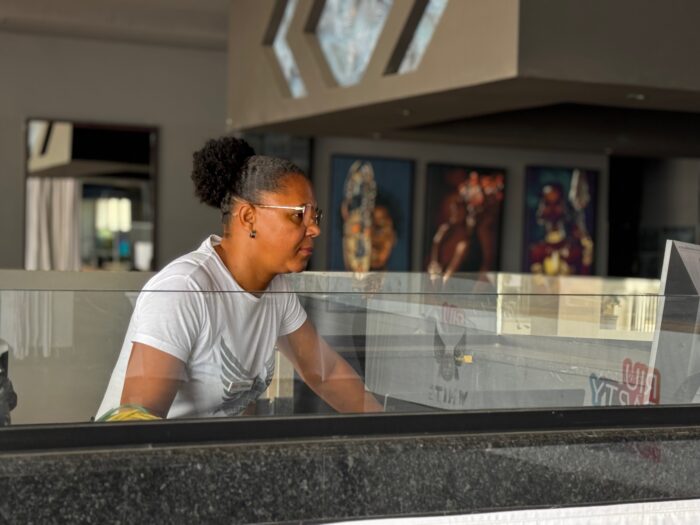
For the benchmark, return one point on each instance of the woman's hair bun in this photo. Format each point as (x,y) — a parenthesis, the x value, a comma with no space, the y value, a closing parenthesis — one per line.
(216,168)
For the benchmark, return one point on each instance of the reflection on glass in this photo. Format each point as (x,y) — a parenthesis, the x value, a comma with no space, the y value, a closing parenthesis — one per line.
(284,53)
(90,199)
(585,306)
(348,32)
(423,35)
(481,341)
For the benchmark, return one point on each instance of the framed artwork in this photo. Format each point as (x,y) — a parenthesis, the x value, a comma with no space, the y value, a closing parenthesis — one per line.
(560,213)
(464,211)
(370,219)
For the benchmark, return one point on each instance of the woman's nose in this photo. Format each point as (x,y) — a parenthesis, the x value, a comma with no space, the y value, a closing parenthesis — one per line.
(313,231)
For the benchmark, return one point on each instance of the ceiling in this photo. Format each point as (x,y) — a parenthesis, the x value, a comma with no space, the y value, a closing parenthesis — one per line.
(534,104)
(554,73)
(187,23)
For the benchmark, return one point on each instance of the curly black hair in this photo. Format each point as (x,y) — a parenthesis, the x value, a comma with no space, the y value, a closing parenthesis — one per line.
(228,167)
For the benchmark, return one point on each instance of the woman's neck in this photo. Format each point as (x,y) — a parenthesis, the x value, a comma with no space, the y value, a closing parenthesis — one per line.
(239,264)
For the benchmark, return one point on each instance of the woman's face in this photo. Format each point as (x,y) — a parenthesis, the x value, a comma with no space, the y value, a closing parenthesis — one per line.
(284,243)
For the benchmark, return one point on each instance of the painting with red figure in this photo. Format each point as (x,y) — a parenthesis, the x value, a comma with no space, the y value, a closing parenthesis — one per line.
(463,219)
(560,212)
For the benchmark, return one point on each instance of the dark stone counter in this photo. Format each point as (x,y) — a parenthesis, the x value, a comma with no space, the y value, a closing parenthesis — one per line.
(344,478)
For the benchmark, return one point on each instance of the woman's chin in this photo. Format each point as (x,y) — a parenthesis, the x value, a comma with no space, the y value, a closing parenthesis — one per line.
(298,266)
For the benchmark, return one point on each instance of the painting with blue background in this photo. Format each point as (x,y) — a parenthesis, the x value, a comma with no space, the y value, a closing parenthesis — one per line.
(394,178)
(536,178)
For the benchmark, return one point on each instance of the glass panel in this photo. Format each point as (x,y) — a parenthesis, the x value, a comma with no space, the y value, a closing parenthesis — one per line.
(348,32)
(284,53)
(423,35)
(477,342)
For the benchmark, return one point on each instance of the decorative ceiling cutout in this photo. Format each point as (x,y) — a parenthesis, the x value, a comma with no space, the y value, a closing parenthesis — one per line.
(277,38)
(347,32)
(422,36)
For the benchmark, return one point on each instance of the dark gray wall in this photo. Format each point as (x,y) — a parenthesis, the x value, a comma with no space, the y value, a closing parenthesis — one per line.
(181,91)
(670,194)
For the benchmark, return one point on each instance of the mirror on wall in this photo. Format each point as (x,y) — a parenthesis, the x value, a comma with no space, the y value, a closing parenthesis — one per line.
(90,196)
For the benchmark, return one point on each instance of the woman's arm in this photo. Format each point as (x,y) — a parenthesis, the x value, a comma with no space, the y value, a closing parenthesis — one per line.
(326,373)
(152,379)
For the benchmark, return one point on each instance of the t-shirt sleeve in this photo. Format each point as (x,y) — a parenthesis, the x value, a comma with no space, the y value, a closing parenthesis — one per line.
(170,318)
(293,314)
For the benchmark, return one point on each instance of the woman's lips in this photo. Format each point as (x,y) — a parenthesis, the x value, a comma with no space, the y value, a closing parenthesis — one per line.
(306,251)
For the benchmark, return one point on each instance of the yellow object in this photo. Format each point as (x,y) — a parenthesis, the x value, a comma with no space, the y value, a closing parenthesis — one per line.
(554,237)
(129,413)
(467,359)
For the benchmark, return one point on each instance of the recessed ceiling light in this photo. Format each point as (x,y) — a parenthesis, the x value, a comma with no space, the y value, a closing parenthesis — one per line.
(636,96)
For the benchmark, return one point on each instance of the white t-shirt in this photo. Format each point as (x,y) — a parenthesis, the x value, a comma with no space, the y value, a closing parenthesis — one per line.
(194,310)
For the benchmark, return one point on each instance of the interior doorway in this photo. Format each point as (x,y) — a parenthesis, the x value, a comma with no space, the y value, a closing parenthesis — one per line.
(651,200)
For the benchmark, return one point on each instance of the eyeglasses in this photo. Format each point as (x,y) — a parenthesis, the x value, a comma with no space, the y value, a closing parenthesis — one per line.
(308,214)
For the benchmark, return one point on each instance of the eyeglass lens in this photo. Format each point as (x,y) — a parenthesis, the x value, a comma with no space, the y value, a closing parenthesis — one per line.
(312,215)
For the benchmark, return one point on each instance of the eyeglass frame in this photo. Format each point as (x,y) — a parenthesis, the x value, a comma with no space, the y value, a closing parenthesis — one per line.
(318,215)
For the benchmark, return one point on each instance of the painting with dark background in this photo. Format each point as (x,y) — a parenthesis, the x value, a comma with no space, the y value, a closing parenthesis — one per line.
(392,209)
(464,206)
(559,225)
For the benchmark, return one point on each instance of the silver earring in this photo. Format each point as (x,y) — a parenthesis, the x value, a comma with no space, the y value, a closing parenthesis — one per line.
(253,233)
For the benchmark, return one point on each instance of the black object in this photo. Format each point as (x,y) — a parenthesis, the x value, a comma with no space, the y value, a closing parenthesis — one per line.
(8,397)
(72,436)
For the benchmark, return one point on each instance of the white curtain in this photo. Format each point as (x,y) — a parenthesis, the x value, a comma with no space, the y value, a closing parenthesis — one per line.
(52,224)
(36,323)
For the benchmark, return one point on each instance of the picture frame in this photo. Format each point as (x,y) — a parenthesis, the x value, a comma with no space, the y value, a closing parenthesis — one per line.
(391,208)
(559,226)
(464,218)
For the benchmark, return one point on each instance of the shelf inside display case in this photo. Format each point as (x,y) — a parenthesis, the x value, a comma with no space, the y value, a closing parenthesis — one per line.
(586,307)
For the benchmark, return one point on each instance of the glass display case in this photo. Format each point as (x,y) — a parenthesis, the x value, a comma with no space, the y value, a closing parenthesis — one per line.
(477,342)
(496,392)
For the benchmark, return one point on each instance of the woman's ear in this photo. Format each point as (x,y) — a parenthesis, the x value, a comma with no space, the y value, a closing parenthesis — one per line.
(246,217)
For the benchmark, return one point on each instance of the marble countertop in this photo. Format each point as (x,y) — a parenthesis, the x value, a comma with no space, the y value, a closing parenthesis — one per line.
(340,478)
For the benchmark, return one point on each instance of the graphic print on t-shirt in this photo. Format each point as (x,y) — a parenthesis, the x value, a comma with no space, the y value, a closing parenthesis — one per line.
(239,389)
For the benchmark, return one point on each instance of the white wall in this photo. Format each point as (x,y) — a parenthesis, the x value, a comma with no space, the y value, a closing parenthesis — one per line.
(513,160)
(181,91)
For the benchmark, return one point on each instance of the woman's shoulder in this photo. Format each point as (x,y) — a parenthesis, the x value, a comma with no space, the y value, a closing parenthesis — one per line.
(174,277)
(195,270)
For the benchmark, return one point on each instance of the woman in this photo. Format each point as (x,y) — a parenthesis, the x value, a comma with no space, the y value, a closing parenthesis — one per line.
(202,336)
